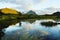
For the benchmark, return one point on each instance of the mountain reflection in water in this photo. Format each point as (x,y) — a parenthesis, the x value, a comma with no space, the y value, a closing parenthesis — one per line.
(29,30)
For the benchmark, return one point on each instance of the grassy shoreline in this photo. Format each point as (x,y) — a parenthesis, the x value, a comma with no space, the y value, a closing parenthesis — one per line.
(15,17)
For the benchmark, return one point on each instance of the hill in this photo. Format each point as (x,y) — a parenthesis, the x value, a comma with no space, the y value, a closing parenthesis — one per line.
(8,11)
(56,13)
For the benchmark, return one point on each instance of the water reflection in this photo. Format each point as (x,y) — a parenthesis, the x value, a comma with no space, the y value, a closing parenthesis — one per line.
(29,20)
(48,24)
(5,24)
(24,30)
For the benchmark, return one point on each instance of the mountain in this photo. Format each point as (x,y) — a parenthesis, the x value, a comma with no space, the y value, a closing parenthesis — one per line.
(49,10)
(52,10)
(31,13)
(56,13)
(8,11)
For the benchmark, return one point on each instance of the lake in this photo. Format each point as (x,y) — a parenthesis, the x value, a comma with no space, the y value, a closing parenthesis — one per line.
(29,30)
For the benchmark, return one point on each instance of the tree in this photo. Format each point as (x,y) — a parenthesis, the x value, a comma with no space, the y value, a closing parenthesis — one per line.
(1,13)
(20,13)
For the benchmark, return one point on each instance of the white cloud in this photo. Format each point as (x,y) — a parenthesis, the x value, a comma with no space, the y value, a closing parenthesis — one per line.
(3,5)
(25,4)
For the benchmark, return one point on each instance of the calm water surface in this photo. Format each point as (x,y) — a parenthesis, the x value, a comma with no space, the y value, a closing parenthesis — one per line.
(31,30)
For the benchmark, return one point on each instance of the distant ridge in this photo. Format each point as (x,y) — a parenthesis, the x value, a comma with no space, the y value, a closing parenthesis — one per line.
(56,13)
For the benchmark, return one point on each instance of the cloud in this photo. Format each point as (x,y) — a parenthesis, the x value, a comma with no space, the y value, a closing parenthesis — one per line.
(25,4)
(7,5)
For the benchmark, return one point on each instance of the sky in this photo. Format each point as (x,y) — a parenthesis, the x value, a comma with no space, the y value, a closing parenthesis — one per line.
(26,5)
